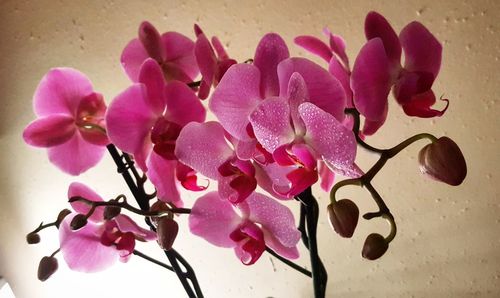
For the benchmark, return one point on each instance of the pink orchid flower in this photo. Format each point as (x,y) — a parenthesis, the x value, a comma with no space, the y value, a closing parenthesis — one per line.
(146,119)
(212,66)
(378,68)
(277,100)
(263,222)
(203,147)
(70,121)
(100,243)
(173,51)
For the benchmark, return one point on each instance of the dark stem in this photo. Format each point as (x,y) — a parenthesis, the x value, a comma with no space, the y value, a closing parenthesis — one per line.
(154,261)
(289,263)
(194,84)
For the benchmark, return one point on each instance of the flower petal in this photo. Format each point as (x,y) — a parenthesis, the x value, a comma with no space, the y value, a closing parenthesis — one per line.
(370,80)
(326,176)
(314,45)
(202,146)
(214,219)
(161,173)
(377,26)
(183,106)
(343,76)
(151,76)
(132,57)
(76,155)
(82,250)
(207,62)
(235,98)
(179,50)
(324,90)
(270,51)
(422,50)
(50,131)
(126,224)
(420,106)
(90,119)
(60,92)
(271,123)
(297,94)
(329,138)
(77,189)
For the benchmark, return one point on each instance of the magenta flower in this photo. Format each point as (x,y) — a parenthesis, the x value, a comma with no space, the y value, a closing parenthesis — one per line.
(212,66)
(146,119)
(98,245)
(377,68)
(70,121)
(263,222)
(173,51)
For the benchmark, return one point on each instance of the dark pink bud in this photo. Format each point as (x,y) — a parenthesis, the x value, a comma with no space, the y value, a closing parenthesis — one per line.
(61,216)
(343,217)
(47,267)
(151,40)
(375,246)
(167,232)
(111,212)
(78,222)
(33,238)
(442,160)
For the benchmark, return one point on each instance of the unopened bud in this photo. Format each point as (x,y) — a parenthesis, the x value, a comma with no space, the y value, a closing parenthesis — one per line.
(32,238)
(111,212)
(343,217)
(375,246)
(443,161)
(167,232)
(47,267)
(61,216)
(78,222)
(158,206)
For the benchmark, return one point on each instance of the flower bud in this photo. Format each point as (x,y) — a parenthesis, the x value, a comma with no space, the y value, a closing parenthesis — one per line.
(158,206)
(167,232)
(61,216)
(32,238)
(442,160)
(78,222)
(343,217)
(47,267)
(111,212)
(375,246)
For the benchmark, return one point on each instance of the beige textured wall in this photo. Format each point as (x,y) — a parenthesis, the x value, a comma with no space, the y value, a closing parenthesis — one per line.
(449,238)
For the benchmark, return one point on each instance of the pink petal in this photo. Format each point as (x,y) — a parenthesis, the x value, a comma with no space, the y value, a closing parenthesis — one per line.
(327,177)
(129,121)
(151,41)
(179,50)
(422,50)
(219,49)
(82,250)
(151,76)
(245,150)
(81,190)
(214,219)
(183,106)
(291,253)
(324,90)
(370,80)
(235,98)
(315,46)
(207,62)
(126,246)
(132,57)
(297,94)
(270,51)
(370,127)
(161,173)
(271,123)
(377,26)
(202,146)
(344,77)
(337,44)
(420,106)
(273,176)
(329,138)
(188,178)
(60,92)
(50,130)
(410,84)
(275,218)
(91,110)
(76,155)
(126,224)
(251,243)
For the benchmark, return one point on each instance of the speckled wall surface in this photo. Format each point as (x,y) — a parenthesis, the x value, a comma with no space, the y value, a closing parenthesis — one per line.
(449,238)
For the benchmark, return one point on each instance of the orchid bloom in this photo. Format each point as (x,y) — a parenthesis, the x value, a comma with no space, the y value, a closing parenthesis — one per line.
(293,108)
(98,245)
(173,51)
(212,66)
(263,222)
(146,119)
(378,68)
(70,121)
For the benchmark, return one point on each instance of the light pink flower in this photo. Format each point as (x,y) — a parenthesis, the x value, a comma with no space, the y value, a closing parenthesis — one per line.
(100,243)
(173,51)
(146,119)
(70,121)
(263,222)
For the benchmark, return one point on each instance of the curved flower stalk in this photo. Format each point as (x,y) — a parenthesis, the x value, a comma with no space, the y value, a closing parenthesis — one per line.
(146,119)
(99,243)
(173,51)
(70,121)
(263,222)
